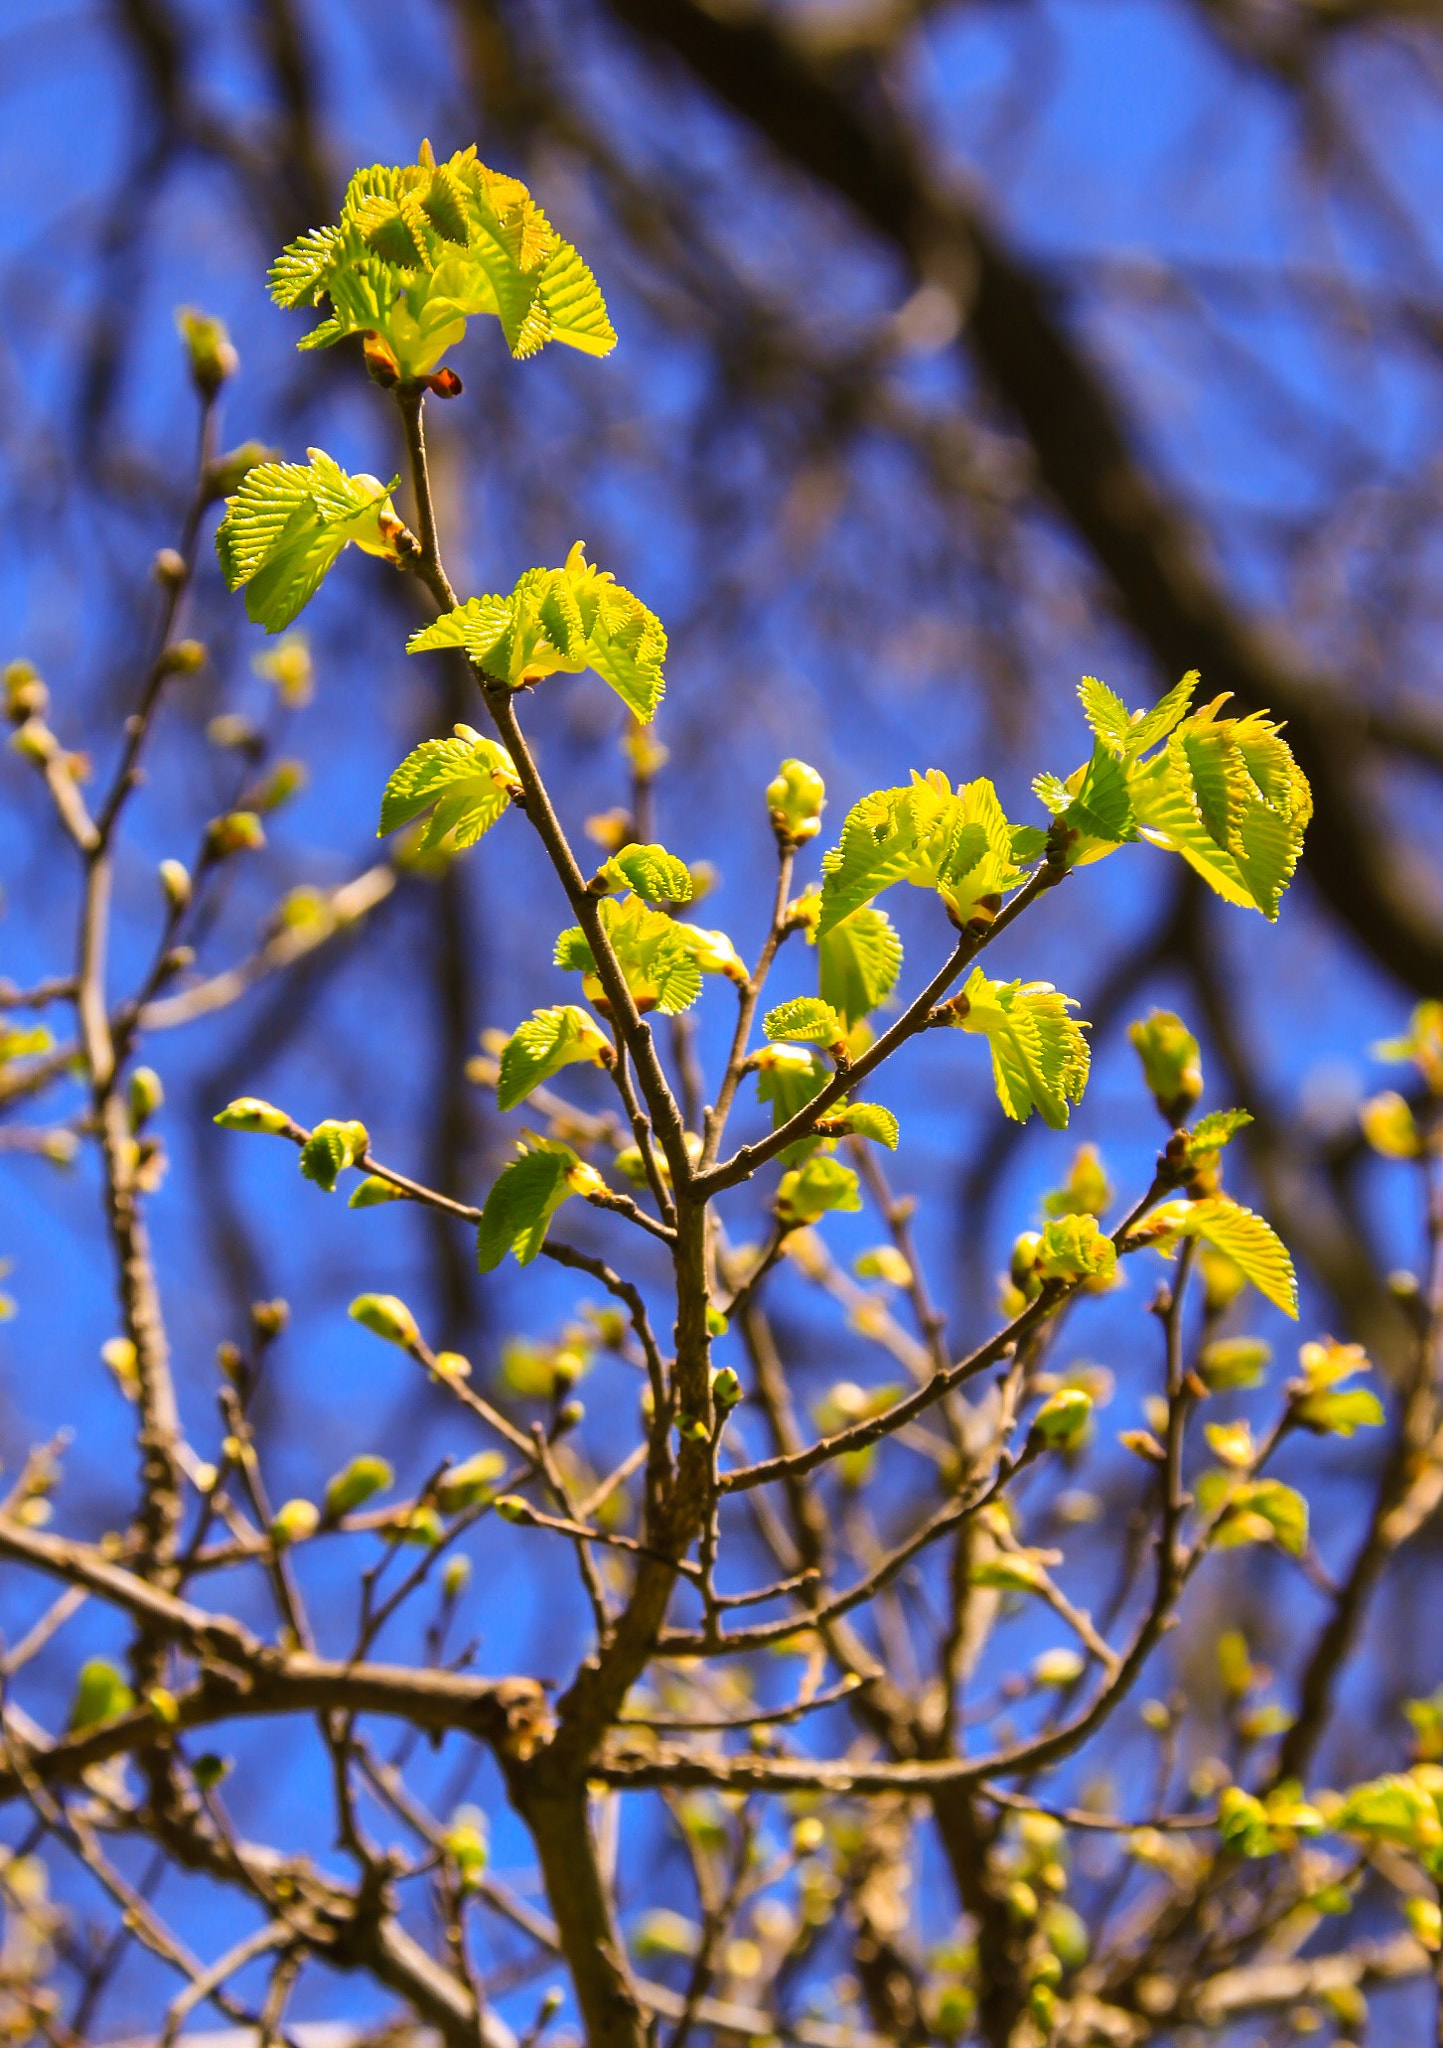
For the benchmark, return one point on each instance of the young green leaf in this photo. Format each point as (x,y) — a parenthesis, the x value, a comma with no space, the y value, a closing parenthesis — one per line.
(387,1316)
(1228,796)
(651,871)
(1261,1509)
(1340,1413)
(100,1694)
(330,1149)
(1250,1242)
(567,619)
(1171,1062)
(518,1211)
(1391,1809)
(1421,1044)
(548,1041)
(655,954)
(858,962)
(361,1480)
(1233,1362)
(788,1077)
(1039,1056)
(421,248)
(1074,1248)
(286,525)
(806,1020)
(713,952)
(1063,1417)
(1086,1191)
(1109,717)
(470,779)
(249,1113)
(1225,793)
(809,1191)
(861,1120)
(957,842)
(1218,1128)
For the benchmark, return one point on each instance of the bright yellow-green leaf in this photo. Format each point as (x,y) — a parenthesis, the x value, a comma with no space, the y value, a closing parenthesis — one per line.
(469,779)
(656,957)
(286,525)
(806,1020)
(546,1042)
(100,1694)
(1250,1242)
(1039,1055)
(858,962)
(567,619)
(957,842)
(518,1211)
(651,871)
(809,1191)
(1073,1248)
(421,248)
(861,1120)
(331,1148)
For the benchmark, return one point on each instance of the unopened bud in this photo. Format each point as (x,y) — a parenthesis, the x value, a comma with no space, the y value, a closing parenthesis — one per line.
(25,694)
(269,1318)
(726,1390)
(795,800)
(249,1113)
(1171,1063)
(385,1315)
(363,1477)
(169,568)
(211,351)
(285,780)
(146,1095)
(229,471)
(235,832)
(294,1522)
(184,657)
(175,881)
(467,1484)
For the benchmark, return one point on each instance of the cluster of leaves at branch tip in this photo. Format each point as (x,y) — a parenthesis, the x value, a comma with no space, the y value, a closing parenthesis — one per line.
(422,248)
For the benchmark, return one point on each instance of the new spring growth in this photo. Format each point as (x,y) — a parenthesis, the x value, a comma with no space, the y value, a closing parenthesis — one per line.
(1171,1063)
(294,1522)
(25,694)
(209,348)
(386,1315)
(175,884)
(726,1390)
(795,801)
(468,1484)
(235,832)
(466,1844)
(1062,1420)
(359,1482)
(249,1113)
(146,1096)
